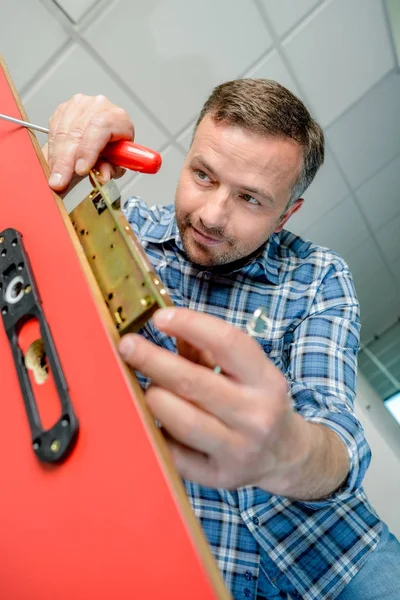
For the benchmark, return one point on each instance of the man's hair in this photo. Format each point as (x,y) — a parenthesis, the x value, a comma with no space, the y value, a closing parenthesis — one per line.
(268,109)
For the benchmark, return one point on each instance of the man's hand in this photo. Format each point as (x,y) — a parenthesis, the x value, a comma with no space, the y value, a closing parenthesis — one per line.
(227,430)
(79,130)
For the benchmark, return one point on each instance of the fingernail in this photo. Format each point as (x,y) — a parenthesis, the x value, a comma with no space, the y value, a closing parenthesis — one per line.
(126,346)
(81,166)
(163,316)
(55,180)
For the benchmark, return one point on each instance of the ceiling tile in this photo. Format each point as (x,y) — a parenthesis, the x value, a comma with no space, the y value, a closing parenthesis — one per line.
(179,53)
(379,197)
(389,239)
(185,139)
(270,67)
(75,9)
(284,14)
(64,80)
(364,261)
(341,229)
(382,317)
(339,54)
(327,190)
(159,188)
(368,135)
(387,346)
(393,359)
(395,268)
(29,36)
(273,67)
(370,276)
(369,292)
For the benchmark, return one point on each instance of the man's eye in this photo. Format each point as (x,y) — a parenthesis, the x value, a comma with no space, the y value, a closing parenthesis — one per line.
(201,175)
(249,199)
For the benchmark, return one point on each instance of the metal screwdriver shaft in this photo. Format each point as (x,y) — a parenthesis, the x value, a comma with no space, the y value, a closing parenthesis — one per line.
(24,123)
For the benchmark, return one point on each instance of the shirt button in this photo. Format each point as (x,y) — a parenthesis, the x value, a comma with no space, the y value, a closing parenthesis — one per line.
(267,347)
(256,520)
(248,575)
(247,592)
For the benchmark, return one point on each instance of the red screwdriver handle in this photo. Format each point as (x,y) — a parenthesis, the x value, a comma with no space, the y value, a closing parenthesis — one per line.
(132,156)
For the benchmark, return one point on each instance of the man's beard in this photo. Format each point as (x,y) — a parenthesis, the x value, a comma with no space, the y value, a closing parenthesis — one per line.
(210,257)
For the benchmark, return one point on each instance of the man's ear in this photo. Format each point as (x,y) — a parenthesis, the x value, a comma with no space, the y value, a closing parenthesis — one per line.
(288,213)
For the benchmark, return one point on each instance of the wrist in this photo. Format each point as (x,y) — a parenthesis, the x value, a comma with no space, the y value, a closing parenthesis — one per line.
(316,463)
(294,461)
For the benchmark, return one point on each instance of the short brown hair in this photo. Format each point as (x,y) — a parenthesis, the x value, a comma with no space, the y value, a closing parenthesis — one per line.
(268,109)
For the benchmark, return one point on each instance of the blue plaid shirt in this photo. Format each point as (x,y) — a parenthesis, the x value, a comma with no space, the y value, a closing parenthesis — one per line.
(309,550)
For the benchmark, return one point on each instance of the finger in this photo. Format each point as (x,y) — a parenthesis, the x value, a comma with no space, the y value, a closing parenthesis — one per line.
(196,356)
(65,139)
(192,465)
(103,126)
(53,124)
(213,393)
(187,423)
(108,171)
(236,352)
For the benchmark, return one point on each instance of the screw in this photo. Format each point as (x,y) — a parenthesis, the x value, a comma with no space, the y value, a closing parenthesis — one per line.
(55,446)
(258,323)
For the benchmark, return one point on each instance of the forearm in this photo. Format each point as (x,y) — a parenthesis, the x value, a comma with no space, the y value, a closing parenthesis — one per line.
(316,463)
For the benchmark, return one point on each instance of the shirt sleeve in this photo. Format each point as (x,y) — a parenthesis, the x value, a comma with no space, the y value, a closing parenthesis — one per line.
(137,213)
(322,372)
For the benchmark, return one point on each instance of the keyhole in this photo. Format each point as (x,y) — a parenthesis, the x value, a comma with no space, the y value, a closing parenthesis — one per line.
(35,361)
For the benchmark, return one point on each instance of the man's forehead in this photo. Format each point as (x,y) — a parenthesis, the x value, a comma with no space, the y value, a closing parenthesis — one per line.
(263,161)
(215,138)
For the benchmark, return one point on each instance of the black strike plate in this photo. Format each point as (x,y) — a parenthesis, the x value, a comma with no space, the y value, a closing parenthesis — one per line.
(20,302)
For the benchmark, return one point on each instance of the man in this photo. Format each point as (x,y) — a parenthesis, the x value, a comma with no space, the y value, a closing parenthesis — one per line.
(270,450)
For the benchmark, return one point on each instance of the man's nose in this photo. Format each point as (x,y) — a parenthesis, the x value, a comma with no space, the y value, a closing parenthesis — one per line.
(214,212)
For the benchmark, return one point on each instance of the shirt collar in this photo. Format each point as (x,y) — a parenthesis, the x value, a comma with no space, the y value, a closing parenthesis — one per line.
(265,264)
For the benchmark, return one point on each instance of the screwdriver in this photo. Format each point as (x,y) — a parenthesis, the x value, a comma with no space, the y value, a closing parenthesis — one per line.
(122,153)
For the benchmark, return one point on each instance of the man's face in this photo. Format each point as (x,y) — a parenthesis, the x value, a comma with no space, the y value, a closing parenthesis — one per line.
(232,192)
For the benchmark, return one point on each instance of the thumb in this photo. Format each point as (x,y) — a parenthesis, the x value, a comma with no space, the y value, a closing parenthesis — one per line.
(108,171)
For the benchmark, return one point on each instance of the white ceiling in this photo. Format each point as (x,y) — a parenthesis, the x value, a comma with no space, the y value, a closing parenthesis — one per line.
(159,59)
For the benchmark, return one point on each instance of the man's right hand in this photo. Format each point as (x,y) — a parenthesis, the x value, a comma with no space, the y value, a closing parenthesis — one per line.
(79,130)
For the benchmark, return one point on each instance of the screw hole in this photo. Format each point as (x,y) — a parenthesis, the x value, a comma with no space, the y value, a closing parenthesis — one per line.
(4,252)
(20,266)
(14,242)
(4,310)
(17,289)
(110,296)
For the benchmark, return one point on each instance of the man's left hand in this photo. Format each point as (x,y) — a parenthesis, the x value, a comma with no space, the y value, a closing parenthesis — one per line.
(224,430)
